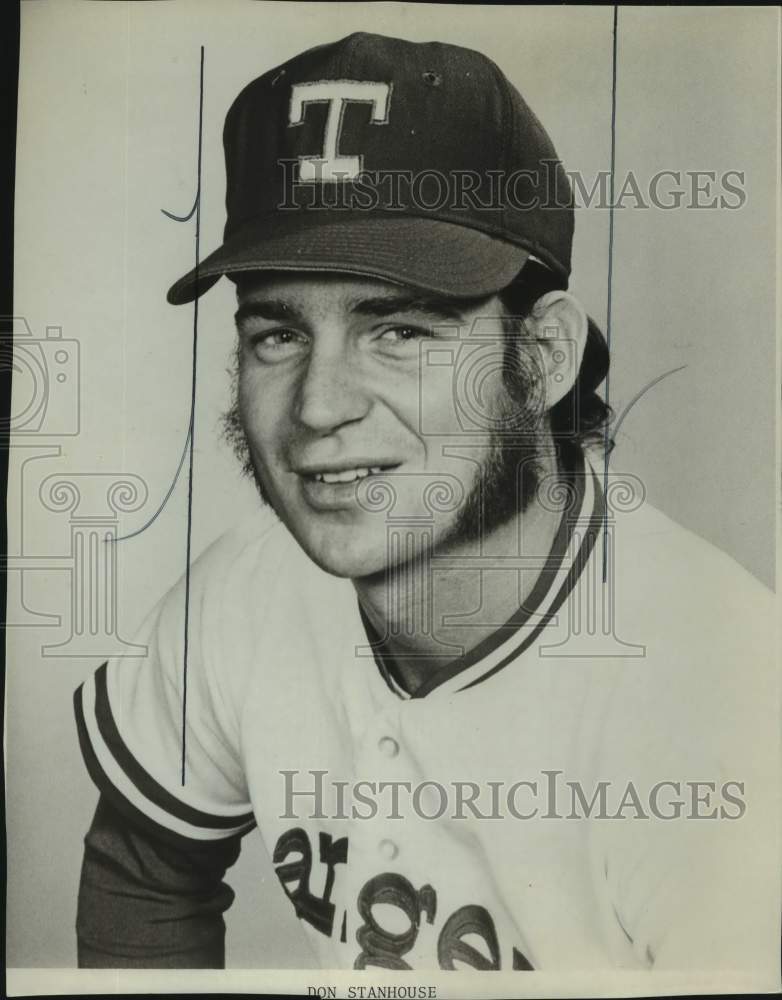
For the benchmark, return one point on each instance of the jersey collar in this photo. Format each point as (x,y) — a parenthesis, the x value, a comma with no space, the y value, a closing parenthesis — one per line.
(574,543)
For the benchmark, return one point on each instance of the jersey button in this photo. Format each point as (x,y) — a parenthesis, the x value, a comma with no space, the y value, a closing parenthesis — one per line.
(388,746)
(388,849)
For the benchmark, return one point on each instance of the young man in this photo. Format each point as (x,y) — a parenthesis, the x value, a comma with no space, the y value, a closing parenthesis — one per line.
(483,713)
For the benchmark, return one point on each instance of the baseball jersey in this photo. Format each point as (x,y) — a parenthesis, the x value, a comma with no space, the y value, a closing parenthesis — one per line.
(574,729)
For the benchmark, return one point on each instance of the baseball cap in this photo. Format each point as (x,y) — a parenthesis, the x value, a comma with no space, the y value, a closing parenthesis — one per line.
(417,163)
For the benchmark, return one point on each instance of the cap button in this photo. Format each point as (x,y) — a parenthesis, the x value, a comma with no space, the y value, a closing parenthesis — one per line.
(388,746)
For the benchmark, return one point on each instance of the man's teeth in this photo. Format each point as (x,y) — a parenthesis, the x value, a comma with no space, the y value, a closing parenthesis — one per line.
(347,475)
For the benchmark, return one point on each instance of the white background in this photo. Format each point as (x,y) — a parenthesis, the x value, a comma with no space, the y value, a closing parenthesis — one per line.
(107,138)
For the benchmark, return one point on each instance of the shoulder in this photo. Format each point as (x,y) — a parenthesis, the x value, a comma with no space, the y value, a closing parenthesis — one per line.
(247,563)
(238,592)
(253,608)
(690,722)
(680,580)
(707,630)
(254,591)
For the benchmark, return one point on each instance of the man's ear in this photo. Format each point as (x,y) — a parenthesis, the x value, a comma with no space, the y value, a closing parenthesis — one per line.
(558,324)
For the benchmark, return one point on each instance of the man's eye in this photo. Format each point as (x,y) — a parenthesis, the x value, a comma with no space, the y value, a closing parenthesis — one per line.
(404,334)
(277,344)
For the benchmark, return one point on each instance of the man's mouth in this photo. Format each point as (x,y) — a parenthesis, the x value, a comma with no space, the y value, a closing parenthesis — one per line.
(348,475)
(336,485)
(344,470)
(340,484)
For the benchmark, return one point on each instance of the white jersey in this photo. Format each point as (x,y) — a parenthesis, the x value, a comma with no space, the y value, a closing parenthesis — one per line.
(566,720)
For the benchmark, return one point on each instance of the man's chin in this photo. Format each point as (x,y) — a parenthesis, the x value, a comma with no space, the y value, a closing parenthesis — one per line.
(339,550)
(347,563)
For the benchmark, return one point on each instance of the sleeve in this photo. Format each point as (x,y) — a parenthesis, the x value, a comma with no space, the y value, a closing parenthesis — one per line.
(159,732)
(145,904)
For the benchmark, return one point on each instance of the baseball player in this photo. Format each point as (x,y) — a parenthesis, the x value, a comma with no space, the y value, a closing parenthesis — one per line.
(486,707)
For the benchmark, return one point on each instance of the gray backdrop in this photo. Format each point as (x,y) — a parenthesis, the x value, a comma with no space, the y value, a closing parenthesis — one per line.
(107,137)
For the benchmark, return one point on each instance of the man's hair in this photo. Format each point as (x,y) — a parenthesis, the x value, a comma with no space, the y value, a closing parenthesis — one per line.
(581,417)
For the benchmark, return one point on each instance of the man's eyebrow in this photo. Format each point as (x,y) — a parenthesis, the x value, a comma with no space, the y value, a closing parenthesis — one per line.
(427,305)
(434,307)
(272,309)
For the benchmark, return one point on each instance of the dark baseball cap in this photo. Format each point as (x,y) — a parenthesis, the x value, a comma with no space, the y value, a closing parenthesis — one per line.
(417,163)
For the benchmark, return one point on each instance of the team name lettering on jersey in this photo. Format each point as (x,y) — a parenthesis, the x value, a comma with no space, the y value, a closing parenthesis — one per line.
(379,946)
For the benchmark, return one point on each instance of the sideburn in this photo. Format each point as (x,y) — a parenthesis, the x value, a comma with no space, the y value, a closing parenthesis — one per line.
(509,479)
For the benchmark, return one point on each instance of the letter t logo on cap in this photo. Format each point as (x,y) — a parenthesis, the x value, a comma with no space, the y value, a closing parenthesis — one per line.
(330,166)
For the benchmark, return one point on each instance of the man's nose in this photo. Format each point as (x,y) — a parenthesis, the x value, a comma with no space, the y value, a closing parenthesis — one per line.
(331,391)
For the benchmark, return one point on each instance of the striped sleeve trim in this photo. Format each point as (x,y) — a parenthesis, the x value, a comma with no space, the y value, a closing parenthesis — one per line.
(130,787)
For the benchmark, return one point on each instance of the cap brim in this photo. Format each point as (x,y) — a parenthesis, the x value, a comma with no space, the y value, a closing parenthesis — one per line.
(437,256)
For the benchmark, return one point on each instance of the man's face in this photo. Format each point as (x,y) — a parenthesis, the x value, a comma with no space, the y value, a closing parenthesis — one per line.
(349,425)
